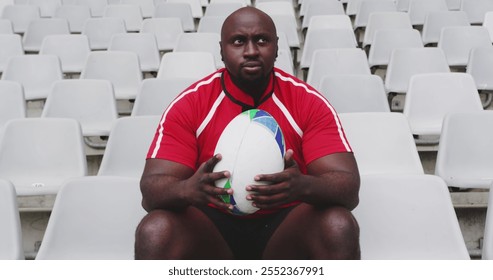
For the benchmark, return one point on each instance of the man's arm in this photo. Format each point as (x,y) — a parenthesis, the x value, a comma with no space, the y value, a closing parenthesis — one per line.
(331,180)
(169,185)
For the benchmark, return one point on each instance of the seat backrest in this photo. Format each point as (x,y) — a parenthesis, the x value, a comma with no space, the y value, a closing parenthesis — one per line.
(47,8)
(6,26)
(380,20)
(284,61)
(382,143)
(405,62)
(13,104)
(195,6)
(76,15)
(330,7)
(11,233)
(166,31)
(367,7)
(222,9)
(142,44)
(71,49)
(289,26)
(91,102)
(480,67)
(201,42)
(276,8)
(435,21)
(433,95)
(127,146)
(20,16)
(476,9)
(336,62)
(398,222)
(488,23)
(186,65)
(121,68)
(156,94)
(93,218)
(330,21)
(36,73)
(355,93)
(96,6)
(488,231)
(131,15)
(457,42)
(38,29)
(386,40)
(179,10)
(146,6)
(11,46)
(211,24)
(325,38)
(353,6)
(38,154)
(100,30)
(418,9)
(464,161)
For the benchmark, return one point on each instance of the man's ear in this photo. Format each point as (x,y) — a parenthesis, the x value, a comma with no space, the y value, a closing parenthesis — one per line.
(221,50)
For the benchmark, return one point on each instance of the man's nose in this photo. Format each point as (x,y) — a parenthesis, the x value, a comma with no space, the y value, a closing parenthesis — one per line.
(251,48)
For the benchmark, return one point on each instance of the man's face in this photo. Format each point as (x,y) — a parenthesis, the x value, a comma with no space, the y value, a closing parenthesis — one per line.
(249,46)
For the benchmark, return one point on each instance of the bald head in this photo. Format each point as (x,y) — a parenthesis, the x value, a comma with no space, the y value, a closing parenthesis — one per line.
(248,14)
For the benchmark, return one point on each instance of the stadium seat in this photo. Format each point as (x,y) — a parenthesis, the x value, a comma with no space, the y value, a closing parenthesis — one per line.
(36,73)
(156,94)
(382,143)
(431,96)
(435,21)
(94,218)
(6,26)
(408,217)
(222,9)
(336,62)
(402,5)
(47,8)
(366,8)
(20,16)
(13,104)
(211,24)
(201,42)
(127,146)
(284,61)
(464,161)
(186,65)
(405,62)
(353,6)
(131,15)
(38,154)
(457,42)
(195,5)
(100,30)
(176,10)
(355,93)
(476,9)
(276,8)
(330,21)
(142,44)
(146,6)
(166,31)
(245,2)
(10,222)
(325,38)
(96,6)
(11,46)
(38,29)
(317,8)
(488,23)
(121,68)
(380,20)
(76,16)
(90,102)
(453,5)
(418,9)
(71,49)
(487,253)
(386,40)
(480,67)
(289,26)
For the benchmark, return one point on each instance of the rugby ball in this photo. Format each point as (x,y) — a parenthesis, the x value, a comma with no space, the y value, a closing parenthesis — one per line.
(251,144)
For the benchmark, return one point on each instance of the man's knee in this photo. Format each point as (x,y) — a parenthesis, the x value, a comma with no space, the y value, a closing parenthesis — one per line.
(153,234)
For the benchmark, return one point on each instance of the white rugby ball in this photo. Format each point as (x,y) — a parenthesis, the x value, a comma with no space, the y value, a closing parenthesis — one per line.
(251,144)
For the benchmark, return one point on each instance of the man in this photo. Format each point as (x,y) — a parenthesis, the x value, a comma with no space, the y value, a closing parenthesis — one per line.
(304,212)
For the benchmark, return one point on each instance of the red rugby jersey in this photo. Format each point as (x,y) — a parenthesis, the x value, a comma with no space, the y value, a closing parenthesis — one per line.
(192,124)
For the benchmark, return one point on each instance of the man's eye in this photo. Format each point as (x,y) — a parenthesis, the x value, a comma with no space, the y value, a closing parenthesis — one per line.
(238,42)
(262,40)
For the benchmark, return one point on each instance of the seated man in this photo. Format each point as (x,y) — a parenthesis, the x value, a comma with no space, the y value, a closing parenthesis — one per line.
(305,213)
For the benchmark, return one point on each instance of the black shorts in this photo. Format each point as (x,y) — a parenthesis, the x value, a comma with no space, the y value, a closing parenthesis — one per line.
(246,237)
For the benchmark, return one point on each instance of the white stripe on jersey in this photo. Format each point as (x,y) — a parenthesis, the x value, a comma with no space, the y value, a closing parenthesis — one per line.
(338,123)
(163,118)
(288,116)
(210,114)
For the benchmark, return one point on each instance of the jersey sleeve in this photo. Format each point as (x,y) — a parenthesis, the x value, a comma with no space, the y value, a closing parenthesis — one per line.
(175,138)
